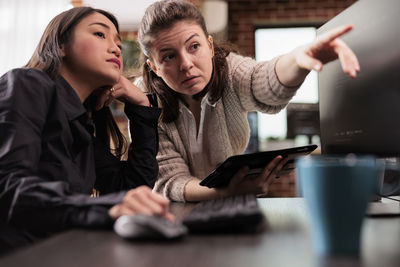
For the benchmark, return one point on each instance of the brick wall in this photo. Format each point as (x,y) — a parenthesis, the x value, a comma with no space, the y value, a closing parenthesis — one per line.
(246,15)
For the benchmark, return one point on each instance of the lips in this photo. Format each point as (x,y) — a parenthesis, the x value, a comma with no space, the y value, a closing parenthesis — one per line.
(189,80)
(116,61)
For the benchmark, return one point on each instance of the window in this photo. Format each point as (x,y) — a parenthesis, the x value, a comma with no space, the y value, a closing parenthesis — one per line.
(22,23)
(272,42)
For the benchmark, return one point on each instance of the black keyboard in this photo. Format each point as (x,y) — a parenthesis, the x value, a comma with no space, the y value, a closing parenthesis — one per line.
(231,214)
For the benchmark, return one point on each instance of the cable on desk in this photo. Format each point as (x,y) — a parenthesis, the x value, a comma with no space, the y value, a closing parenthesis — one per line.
(398,200)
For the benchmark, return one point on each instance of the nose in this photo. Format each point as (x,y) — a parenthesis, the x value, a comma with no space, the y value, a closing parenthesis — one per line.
(114,48)
(185,62)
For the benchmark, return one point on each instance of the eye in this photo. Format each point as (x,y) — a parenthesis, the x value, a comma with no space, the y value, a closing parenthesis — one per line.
(194,46)
(168,57)
(100,34)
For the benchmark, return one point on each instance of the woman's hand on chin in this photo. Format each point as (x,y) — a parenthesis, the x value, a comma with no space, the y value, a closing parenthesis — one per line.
(124,91)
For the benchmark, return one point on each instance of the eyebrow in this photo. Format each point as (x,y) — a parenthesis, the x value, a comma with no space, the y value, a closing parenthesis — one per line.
(105,26)
(191,37)
(187,40)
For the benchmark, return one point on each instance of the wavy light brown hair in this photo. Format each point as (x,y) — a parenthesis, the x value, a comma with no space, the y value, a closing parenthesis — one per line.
(48,57)
(163,15)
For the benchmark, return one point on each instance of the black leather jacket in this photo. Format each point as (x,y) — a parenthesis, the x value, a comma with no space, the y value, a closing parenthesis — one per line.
(50,161)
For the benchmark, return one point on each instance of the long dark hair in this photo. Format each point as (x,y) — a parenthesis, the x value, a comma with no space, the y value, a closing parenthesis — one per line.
(163,15)
(48,57)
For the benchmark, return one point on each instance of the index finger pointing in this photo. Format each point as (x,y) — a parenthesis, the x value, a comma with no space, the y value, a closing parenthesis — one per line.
(331,35)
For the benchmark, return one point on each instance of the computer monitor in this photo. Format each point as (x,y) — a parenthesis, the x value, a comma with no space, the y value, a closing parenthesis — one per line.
(362,115)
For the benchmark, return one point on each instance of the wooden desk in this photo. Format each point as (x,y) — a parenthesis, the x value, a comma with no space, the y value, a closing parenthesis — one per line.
(284,242)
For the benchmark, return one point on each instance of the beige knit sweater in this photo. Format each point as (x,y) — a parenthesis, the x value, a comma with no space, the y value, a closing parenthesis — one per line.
(251,86)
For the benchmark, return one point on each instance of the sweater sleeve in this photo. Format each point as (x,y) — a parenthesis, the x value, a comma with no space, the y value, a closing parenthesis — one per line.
(174,172)
(257,84)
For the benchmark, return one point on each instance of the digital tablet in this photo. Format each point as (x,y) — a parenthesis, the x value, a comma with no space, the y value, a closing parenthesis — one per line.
(256,162)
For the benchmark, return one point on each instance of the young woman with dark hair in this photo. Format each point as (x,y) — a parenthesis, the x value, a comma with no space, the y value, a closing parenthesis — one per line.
(59,142)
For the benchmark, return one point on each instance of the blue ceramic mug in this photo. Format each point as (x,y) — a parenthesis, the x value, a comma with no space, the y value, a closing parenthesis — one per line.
(337,190)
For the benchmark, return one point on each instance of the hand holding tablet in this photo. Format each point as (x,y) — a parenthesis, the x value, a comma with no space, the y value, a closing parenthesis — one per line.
(256,162)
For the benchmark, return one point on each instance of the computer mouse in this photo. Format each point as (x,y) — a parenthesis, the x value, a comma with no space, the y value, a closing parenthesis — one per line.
(148,227)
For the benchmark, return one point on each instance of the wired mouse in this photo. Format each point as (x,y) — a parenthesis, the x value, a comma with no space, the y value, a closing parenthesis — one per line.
(148,227)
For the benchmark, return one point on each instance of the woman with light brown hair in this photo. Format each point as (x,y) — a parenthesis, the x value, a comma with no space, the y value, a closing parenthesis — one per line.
(206,91)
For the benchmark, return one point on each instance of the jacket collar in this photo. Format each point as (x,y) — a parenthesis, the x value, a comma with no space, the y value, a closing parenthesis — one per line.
(70,101)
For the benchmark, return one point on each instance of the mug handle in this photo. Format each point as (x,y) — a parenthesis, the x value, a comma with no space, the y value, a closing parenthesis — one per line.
(393,165)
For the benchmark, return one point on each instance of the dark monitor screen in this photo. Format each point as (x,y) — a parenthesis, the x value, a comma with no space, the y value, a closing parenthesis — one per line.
(362,115)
